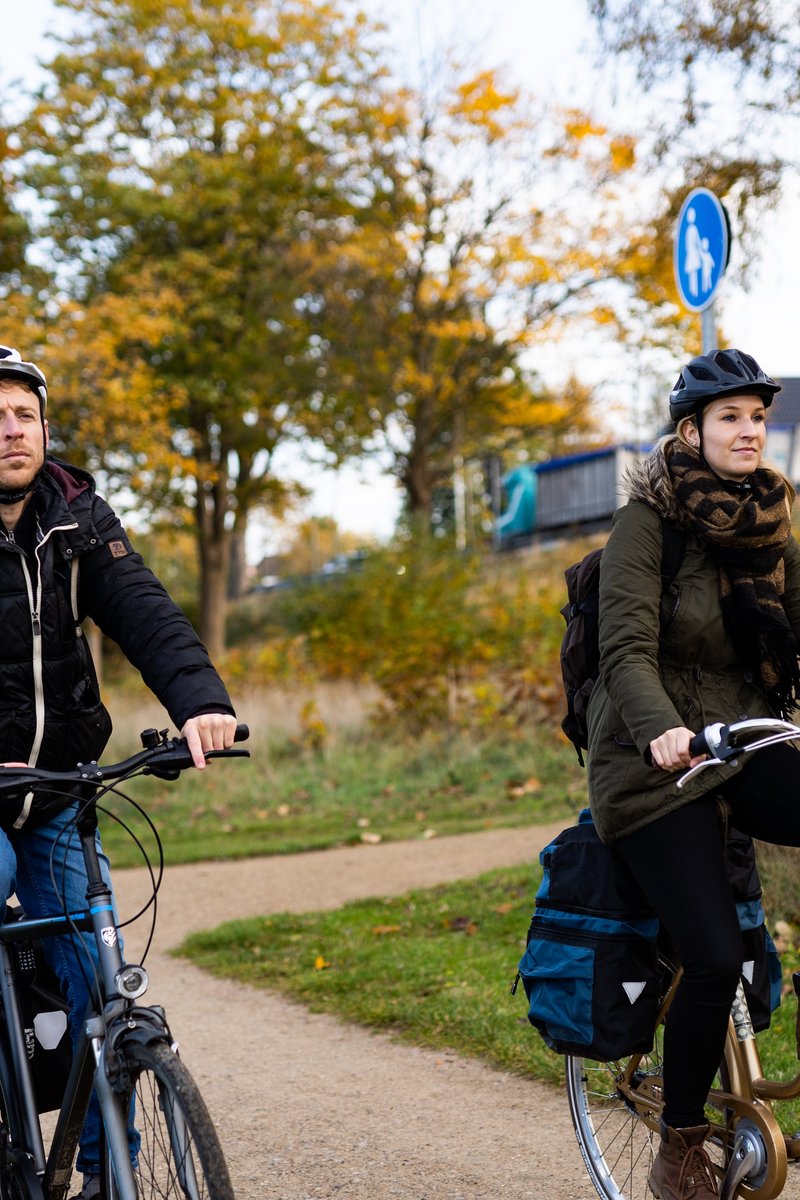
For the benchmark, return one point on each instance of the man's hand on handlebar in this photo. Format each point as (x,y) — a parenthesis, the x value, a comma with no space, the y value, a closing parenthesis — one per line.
(671,750)
(208,731)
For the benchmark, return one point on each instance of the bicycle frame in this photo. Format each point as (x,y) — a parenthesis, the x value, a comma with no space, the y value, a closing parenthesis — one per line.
(747,1095)
(108,1018)
(116,1030)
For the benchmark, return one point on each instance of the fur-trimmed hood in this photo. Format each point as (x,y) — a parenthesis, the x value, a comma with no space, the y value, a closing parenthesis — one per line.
(650,482)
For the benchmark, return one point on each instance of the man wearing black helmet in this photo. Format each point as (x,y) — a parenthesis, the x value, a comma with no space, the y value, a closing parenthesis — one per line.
(719,643)
(64,556)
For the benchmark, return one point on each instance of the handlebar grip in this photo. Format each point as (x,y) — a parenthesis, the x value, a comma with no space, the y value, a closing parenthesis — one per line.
(699,745)
(242,733)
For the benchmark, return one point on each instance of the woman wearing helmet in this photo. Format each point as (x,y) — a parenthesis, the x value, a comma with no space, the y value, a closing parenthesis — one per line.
(719,643)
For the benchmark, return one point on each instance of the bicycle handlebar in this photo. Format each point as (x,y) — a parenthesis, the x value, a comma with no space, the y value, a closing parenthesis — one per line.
(162,756)
(724,743)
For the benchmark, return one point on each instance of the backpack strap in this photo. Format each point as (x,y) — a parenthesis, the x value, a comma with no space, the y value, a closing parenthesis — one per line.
(673,546)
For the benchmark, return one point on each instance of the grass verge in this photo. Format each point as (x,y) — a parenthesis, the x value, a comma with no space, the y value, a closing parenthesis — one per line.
(288,798)
(432,967)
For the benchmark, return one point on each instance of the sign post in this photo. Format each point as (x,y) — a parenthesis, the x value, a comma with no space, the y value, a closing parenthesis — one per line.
(701,253)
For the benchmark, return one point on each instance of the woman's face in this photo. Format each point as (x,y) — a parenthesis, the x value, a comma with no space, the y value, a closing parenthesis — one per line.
(733,435)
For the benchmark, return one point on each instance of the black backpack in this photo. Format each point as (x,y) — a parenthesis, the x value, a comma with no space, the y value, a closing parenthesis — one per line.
(580,645)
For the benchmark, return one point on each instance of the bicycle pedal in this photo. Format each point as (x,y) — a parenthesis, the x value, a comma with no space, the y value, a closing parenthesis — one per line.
(792,1145)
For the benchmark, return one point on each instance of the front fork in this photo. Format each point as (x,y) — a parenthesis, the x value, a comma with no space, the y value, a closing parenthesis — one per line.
(113,1083)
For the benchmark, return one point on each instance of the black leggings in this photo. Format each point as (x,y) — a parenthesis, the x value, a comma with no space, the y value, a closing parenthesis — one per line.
(679,863)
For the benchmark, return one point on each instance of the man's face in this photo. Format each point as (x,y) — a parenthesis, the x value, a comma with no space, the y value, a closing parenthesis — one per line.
(23,438)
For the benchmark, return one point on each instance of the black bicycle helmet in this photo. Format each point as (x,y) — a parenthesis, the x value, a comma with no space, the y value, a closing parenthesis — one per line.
(721,373)
(12,367)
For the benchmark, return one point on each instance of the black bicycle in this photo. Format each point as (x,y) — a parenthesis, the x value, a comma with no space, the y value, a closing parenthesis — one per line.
(126,1054)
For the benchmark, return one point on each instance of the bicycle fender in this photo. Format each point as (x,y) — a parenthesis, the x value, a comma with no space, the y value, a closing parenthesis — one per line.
(138,1026)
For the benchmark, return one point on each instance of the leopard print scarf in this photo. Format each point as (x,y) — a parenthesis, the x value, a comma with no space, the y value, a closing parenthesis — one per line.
(748,528)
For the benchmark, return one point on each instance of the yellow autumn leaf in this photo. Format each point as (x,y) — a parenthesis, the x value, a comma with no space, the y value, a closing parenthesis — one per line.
(579,125)
(622,152)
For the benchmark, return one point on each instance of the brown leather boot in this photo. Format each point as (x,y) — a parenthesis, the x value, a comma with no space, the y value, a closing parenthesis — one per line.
(682,1169)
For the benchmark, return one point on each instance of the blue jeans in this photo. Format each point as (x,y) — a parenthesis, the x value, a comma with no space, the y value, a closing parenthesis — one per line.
(27,861)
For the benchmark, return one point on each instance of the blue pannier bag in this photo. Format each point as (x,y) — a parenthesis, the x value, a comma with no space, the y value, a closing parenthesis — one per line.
(591,969)
(761,964)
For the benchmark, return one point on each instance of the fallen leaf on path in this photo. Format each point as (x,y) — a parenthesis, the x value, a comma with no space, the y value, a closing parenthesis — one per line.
(462,925)
(526,788)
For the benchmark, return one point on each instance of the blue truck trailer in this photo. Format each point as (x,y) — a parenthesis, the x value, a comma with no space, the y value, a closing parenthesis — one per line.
(575,494)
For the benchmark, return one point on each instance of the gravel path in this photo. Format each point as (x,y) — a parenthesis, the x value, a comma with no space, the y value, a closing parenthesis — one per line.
(310,1107)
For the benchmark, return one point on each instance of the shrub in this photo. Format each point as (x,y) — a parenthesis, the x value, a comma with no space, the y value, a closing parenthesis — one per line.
(444,635)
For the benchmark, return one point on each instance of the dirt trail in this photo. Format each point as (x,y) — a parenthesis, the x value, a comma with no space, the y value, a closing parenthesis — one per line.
(309,1107)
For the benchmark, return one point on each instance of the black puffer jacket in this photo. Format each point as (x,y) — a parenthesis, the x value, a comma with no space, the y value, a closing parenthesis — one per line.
(84,565)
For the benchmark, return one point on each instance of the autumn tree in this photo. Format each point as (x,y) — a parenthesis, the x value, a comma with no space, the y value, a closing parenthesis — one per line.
(21,282)
(716,85)
(512,231)
(188,156)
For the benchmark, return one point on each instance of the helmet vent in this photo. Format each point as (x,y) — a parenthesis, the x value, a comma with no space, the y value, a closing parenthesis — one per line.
(700,372)
(728,364)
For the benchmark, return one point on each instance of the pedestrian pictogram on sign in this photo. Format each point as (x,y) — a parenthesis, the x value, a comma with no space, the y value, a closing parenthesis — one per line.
(701,248)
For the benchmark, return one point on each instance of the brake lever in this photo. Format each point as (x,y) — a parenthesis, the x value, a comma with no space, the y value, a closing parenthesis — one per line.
(732,752)
(690,774)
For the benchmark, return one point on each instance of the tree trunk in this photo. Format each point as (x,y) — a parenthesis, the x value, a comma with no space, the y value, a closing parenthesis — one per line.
(214,542)
(419,489)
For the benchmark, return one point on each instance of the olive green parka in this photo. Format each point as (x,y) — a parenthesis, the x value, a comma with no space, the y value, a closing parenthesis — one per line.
(665,658)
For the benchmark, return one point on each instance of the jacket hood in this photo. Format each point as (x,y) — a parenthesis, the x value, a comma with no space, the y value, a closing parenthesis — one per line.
(71,481)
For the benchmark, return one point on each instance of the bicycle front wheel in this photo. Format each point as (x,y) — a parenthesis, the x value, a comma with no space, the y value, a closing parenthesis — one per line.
(179,1155)
(614,1108)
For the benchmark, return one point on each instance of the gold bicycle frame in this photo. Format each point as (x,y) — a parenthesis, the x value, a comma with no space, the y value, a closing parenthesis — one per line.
(745,1094)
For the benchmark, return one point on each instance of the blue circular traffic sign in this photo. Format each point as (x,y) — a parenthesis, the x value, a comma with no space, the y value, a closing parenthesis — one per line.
(701,248)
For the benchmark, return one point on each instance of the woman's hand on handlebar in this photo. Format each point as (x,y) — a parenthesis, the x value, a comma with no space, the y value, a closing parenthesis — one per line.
(208,731)
(671,750)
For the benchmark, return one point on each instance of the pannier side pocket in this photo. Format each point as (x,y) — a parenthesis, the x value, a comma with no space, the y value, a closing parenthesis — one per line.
(590,993)
(558,981)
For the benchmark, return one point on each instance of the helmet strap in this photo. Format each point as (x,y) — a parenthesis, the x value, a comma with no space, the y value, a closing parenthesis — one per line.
(16,495)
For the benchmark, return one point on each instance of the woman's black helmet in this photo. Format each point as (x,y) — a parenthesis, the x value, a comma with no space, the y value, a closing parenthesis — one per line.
(13,367)
(721,373)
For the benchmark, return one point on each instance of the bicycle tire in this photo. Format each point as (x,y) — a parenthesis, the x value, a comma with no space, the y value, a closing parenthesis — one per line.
(18,1179)
(180,1157)
(617,1136)
(615,1113)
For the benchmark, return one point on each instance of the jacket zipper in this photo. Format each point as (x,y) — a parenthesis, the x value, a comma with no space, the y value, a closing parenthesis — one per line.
(35,602)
